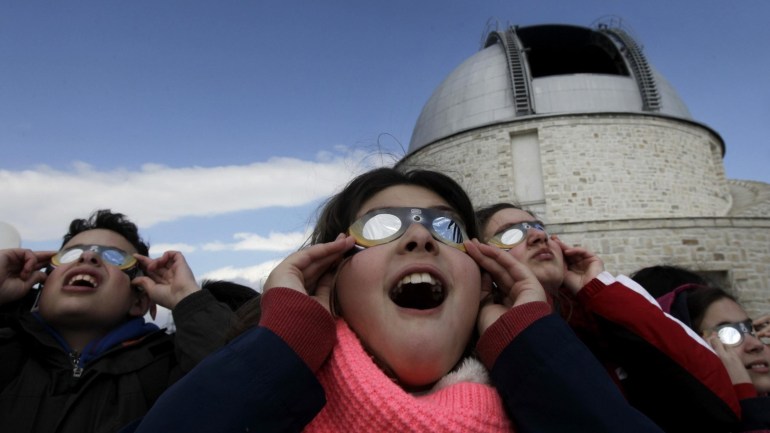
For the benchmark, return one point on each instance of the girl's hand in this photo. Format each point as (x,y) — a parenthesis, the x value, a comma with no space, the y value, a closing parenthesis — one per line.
(515,281)
(20,270)
(581,265)
(731,360)
(309,269)
(167,280)
(762,325)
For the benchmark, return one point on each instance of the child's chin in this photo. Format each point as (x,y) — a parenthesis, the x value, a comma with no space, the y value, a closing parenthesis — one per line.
(417,377)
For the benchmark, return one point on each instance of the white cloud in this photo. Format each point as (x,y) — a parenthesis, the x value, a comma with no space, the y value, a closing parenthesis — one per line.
(252,276)
(254,242)
(40,203)
(159,249)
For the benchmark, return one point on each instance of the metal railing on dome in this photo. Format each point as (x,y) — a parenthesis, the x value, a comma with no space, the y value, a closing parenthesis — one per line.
(522,95)
(638,62)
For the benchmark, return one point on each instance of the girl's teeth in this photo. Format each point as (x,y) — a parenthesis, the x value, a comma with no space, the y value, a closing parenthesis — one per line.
(417,278)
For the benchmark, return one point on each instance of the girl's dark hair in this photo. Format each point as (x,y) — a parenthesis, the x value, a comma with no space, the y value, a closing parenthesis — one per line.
(340,211)
(700,299)
(107,220)
(484,214)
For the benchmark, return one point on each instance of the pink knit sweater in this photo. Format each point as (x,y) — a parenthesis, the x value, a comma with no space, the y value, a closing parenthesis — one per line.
(361,398)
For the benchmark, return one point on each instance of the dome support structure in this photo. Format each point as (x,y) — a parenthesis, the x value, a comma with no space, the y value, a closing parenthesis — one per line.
(522,94)
(639,66)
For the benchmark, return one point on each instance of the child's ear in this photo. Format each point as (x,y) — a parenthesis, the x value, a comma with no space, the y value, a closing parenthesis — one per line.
(140,304)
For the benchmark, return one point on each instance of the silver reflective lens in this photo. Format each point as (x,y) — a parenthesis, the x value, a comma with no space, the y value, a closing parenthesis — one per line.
(381,226)
(113,257)
(730,336)
(448,229)
(71,255)
(512,236)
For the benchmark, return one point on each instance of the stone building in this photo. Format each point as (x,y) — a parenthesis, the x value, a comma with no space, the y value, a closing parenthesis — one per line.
(575,124)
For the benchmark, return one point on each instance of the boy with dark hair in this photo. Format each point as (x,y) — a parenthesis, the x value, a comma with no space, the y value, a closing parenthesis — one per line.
(84,360)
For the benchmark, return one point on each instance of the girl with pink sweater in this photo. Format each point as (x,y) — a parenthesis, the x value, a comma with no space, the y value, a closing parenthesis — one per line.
(385,322)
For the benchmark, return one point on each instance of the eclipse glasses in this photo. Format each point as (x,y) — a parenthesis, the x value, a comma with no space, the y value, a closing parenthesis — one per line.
(515,234)
(385,225)
(110,255)
(731,334)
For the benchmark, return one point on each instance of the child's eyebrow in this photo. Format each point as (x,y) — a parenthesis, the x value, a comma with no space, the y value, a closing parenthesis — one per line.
(445,208)
(450,210)
(509,225)
(441,207)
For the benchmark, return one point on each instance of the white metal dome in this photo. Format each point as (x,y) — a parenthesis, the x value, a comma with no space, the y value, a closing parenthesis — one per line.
(545,70)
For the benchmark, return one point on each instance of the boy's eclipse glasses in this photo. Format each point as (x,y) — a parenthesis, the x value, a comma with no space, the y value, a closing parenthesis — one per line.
(515,234)
(110,255)
(381,226)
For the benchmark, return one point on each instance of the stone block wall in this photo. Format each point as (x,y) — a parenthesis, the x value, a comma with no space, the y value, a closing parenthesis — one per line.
(594,166)
(737,247)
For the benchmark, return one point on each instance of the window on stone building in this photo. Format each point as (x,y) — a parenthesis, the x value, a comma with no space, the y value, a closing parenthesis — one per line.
(527,170)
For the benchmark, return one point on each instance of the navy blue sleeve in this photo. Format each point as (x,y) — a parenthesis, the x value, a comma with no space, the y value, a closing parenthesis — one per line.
(755,414)
(550,382)
(256,383)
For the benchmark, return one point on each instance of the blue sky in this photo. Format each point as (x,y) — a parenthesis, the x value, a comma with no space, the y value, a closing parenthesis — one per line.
(219,126)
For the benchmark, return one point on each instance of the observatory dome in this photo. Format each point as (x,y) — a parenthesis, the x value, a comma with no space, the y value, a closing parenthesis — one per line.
(542,70)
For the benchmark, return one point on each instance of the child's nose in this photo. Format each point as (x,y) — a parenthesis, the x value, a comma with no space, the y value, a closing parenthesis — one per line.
(89,257)
(752,344)
(534,236)
(418,239)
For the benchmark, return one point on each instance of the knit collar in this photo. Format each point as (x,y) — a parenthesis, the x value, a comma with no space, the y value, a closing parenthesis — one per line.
(361,398)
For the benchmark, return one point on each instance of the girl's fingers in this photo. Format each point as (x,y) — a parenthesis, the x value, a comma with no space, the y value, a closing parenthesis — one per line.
(316,259)
(303,269)
(489,258)
(734,366)
(511,276)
